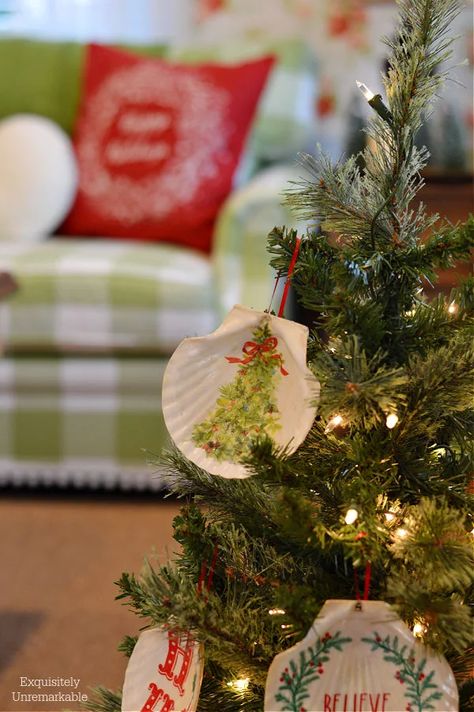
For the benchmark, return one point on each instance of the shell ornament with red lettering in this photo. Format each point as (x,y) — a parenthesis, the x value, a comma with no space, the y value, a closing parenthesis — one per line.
(164,673)
(247,379)
(359,656)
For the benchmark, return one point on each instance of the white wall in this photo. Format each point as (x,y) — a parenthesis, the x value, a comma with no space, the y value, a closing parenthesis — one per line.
(99,20)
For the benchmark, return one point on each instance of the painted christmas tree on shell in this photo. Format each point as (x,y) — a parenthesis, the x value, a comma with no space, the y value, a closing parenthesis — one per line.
(247,407)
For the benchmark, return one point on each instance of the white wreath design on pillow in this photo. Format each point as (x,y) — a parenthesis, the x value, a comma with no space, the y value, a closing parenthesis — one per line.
(202,129)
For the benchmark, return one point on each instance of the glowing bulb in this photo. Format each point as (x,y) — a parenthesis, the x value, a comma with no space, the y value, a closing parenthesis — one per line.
(276,612)
(419,629)
(453,308)
(334,422)
(365,91)
(401,533)
(285,626)
(391,421)
(389,516)
(239,685)
(351,516)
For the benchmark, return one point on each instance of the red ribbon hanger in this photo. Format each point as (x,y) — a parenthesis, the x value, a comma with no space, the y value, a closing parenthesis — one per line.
(210,574)
(288,278)
(367,576)
(286,288)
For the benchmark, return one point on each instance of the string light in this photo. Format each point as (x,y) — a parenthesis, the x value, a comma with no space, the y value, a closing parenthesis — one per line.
(276,612)
(389,516)
(453,308)
(391,420)
(419,629)
(376,102)
(351,516)
(401,533)
(334,422)
(239,685)
(365,90)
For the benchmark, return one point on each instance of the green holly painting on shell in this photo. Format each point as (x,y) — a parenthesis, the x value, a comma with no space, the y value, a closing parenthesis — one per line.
(247,379)
(359,656)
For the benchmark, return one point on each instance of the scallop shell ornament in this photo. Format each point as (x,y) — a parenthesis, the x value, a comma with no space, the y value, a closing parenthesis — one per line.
(164,673)
(246,379)
(359,656)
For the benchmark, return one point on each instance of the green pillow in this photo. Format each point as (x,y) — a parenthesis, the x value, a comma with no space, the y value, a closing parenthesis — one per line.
(45,77)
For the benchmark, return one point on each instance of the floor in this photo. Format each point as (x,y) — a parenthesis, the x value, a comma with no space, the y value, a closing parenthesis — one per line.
(59,558)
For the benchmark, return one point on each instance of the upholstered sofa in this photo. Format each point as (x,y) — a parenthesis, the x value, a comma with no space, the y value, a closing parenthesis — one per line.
(86,337)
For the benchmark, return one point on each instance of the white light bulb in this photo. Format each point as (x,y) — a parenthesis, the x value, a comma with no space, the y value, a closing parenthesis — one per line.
(419,629)
(365,91)
(276,612)
(239,685)
(391,421)
(333,423)
(453,308)
(401,533)
(389,516)
(351,516)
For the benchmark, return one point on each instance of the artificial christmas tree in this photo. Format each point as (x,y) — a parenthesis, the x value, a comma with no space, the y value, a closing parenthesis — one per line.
(382,482)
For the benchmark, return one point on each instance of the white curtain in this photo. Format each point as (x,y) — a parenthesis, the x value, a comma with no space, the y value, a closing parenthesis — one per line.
(143,21)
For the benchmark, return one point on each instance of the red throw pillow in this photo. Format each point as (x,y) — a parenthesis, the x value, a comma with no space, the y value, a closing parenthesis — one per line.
(158,145)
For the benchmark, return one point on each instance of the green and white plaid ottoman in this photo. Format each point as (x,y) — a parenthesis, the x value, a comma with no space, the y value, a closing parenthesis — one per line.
(81,421)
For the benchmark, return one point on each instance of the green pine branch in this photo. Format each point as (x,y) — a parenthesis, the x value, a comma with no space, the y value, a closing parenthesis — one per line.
(378,347)
(104,700)
(437,547)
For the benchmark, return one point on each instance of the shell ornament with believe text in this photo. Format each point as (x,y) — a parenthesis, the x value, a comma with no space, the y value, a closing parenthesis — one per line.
(359,656)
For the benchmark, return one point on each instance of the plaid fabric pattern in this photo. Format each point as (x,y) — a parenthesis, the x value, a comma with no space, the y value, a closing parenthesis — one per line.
(104,296)
(241,261)
(81,421)
(92,420)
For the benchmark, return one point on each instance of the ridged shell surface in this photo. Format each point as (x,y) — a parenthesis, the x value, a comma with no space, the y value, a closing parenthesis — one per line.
(359,660)
(201,366)
(164,672)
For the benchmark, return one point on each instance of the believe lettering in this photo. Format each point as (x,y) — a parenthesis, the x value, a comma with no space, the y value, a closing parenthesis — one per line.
(357,702)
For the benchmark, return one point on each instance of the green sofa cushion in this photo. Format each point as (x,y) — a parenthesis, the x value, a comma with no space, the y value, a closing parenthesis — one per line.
(104,296)
(38,77)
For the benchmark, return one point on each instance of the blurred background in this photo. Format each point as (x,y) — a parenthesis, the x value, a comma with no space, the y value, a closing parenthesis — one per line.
(88,323)
(338,41)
